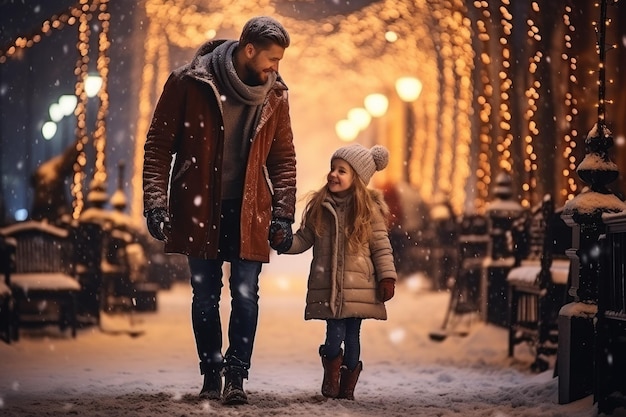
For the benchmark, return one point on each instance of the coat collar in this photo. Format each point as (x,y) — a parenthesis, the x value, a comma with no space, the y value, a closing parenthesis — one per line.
(377,196)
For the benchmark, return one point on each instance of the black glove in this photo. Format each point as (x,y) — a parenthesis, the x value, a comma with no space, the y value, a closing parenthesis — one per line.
(158,222)
(281,236)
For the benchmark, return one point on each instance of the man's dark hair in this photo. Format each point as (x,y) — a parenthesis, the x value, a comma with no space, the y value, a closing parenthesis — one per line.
(262,32)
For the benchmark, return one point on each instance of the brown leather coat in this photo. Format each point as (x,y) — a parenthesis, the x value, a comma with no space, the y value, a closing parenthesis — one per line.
(343,283)
(188,124)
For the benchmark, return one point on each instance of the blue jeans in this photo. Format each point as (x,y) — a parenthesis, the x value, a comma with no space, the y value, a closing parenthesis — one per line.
(206,283)
(347,331)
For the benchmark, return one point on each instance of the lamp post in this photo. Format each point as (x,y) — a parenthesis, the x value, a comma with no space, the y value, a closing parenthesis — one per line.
(408,89)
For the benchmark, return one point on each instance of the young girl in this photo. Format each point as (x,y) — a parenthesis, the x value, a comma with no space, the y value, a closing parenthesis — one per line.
(352,272)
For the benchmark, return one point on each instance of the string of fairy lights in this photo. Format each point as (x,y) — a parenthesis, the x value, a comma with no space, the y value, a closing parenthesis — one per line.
(448,99)
(102,65)
(88,8)
(56,22)
(464,94)
(602,47)
(81,71)
(505,137)
(483,101)
(532,96)
(570,136)
(460,96)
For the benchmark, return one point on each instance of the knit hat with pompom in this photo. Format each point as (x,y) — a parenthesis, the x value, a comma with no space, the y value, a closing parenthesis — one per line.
(364,161)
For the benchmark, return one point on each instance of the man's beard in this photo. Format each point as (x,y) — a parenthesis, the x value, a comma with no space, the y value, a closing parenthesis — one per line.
(254,78)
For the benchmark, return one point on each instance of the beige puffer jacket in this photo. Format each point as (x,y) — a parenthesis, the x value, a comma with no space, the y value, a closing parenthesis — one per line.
(343,284)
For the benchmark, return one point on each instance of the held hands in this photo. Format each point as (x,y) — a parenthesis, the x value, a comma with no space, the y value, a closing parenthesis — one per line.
(158,222)
(386,289)
(281,236)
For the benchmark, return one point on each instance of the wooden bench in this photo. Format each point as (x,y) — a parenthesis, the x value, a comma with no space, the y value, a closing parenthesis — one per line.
(43,282)
(112,268)
(472,243)
(124,274)
(537,287)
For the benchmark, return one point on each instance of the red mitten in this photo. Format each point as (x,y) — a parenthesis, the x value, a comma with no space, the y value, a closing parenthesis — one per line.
(386,289)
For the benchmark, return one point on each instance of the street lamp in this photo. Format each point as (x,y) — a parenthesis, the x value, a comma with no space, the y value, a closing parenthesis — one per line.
(55,112)
(408,89)
(67,103)
(93,83)
(48,130)
(346,130)
(376,104)
(360,117)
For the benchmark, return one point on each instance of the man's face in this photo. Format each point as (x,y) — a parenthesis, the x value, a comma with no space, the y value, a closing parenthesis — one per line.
(261,62)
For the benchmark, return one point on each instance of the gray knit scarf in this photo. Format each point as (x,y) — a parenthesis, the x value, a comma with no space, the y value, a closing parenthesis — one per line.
(242,106)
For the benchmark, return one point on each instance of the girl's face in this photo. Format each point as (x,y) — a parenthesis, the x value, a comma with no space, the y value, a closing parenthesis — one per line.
(340,177)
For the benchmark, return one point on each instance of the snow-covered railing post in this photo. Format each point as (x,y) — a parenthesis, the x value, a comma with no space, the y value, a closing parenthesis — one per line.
(610,347)
(502,211)
(584,215)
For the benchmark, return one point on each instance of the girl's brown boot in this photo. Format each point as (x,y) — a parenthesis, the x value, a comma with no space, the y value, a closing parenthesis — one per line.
(330,384)
(348,381)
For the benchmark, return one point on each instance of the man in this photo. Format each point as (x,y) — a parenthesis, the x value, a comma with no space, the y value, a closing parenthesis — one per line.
(225,116)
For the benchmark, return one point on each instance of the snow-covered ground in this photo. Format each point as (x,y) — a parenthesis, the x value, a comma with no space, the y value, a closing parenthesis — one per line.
(156,374)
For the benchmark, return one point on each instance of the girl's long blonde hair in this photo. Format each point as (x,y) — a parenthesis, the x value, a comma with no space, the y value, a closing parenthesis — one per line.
(359,216)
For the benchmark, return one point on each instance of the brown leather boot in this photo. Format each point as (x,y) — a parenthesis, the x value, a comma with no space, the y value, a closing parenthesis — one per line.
(348,381)
(330,384)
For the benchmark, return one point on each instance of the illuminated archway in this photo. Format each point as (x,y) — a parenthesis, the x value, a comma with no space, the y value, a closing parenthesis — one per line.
(341,53)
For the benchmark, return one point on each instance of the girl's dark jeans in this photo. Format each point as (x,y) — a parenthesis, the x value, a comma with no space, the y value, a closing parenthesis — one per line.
(347,331)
